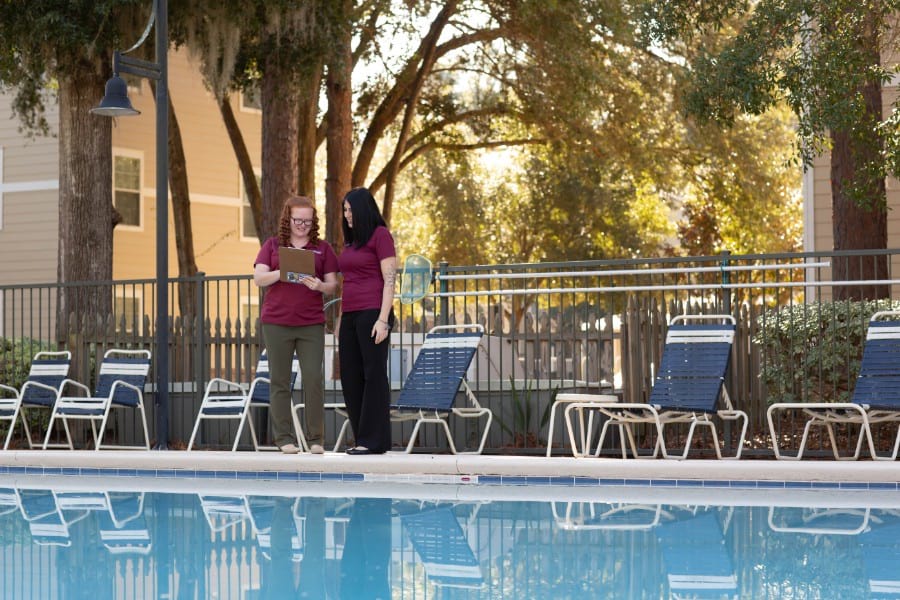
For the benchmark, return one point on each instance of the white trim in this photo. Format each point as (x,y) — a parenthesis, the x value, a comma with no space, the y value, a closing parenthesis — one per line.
(249,109)
(135,296)
(38,185)
(243,193)
(139,155)
(808,188)
(208,199)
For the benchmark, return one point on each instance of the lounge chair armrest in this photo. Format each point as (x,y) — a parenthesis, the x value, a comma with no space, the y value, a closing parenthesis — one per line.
(227,383)
(79,385)
(9,388)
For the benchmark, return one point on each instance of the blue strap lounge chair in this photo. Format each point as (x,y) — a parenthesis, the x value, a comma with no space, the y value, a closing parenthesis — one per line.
(689,387)
(442,547)
(696,561)
(429,393)
(44,517)
(224,511)
(227,399)
(875,400)
(120,384)
(123,527)
(45,379)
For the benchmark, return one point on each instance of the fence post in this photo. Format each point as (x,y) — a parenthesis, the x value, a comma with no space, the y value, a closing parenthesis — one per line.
(444,288)
(201,367)
(726,280)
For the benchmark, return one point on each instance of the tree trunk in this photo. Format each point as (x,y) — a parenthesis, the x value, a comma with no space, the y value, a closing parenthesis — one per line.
(858,227)
(395,99)
(339,136)
(279,96)
(181,217)
(245,165)
(86,214)
(307,143)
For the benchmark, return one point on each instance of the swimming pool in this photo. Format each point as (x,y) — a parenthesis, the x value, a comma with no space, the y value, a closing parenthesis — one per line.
(134,537)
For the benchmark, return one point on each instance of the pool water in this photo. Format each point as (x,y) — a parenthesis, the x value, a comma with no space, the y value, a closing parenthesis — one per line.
(329,541)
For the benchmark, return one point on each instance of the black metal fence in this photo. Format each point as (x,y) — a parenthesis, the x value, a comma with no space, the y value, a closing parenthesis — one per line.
(586,326)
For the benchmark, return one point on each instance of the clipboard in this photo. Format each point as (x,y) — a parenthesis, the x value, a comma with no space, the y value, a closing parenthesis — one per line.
(296,263)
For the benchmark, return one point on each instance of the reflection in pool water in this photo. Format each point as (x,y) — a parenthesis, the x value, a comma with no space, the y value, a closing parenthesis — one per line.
(334,542)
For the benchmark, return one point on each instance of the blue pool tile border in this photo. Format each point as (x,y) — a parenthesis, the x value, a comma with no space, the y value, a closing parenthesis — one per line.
(504,480)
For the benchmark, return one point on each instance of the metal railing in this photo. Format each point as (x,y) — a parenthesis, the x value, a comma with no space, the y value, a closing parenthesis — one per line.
(586,326)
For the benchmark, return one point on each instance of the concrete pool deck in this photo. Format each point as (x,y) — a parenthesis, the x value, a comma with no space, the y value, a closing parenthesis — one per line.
(434,467)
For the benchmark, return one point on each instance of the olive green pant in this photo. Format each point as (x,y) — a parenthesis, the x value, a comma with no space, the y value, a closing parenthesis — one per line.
(308,342)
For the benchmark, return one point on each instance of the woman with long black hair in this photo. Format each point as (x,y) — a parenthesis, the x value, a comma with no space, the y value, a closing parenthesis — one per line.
(368,264)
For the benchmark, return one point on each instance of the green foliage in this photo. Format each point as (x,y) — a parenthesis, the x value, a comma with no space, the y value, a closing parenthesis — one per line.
(822,57)
(44,40)
(15,358)
(522,422)
(812,352)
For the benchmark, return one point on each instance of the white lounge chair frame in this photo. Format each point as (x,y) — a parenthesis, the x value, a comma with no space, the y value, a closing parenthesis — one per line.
(626,414)
(829,414)
(11,408)
(98,408)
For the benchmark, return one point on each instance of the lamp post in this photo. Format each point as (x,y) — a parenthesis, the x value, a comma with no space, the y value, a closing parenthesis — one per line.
(115,103)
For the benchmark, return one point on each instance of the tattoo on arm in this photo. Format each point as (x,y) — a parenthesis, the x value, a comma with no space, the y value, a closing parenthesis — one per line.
(390,276)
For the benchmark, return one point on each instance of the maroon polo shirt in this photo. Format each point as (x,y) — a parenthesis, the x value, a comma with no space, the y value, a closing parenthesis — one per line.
(294,304)
(361,268)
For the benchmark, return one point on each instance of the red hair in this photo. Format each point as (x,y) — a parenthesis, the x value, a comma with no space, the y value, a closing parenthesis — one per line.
(284,225)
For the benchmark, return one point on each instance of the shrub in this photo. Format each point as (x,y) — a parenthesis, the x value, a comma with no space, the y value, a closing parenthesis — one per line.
(812,352)
(15,358)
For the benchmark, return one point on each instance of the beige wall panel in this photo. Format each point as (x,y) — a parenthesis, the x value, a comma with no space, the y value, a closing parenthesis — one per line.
(28,241)
(213,178)
(212,167)
(217,247)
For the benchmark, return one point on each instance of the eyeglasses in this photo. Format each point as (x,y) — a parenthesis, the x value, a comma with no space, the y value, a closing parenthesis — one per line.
(302,222)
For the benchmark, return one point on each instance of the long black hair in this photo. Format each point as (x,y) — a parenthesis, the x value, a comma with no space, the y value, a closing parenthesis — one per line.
(366,217)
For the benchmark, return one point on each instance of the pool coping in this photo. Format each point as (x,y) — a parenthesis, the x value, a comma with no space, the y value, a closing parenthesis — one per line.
(458,469)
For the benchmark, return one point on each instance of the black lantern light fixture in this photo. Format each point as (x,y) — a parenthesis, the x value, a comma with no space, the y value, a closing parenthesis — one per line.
(115,103)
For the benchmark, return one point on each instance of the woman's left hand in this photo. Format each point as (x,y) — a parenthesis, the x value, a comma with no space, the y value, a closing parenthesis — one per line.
(380,331)
(312,282)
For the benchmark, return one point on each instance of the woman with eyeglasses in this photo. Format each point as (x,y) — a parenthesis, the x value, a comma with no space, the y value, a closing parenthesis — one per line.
(368,265)
(293,320)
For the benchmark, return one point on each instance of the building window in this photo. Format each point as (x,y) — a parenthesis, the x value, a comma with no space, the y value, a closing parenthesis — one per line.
(128,310)
(251,100)
(127,189)
(250,313)
(248,227)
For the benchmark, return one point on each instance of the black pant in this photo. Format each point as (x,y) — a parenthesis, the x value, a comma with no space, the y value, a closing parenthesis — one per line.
(364,379)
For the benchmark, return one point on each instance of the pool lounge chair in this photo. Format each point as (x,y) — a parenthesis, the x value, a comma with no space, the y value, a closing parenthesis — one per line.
(429,393)
(818,520)
(689,388)
(224,511)
(45,378)
(123,528)
(696,561)
(120,384)
(45,519)
(590,516)
(876,396)
(441,545)
(227,399)
(120,514)
(261,510)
